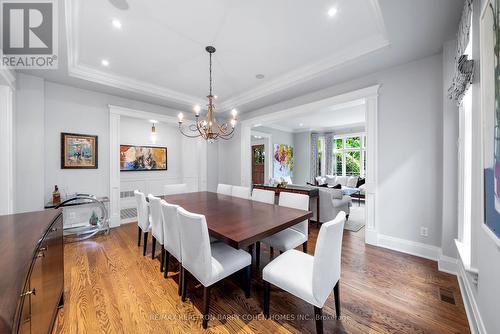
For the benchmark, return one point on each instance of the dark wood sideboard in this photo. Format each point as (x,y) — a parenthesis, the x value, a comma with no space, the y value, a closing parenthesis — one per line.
(31,271)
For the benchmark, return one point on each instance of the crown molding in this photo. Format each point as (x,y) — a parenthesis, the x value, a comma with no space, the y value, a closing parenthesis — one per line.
(309,72)
(303,74)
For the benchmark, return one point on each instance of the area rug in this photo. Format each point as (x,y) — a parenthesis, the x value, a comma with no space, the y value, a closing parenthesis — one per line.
(356,219)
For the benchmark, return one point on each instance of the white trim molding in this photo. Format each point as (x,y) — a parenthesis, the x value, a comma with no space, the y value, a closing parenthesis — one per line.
(447,264)
(292,78)
(476,323)
(7,145)
(409,247)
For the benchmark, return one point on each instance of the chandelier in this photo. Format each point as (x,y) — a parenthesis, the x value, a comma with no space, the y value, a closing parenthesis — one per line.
(208,128)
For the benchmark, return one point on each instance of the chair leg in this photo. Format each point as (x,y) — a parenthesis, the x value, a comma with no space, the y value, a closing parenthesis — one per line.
(248,280)
(162,260)
(206,305)
(336,293)
(184,284)
(179,290)
(139,236)
(304,247)
(167,260)
(318,316)
(267,298)
(271,253)
(153,247)
(257,254)
(145,243)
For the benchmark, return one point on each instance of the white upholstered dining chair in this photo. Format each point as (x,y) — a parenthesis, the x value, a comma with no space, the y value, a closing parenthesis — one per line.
(156,226)
(293,236)
(310,278)
(264,196)
(173,189)
(143,219)
(171,237)
(241,192)
(208,263)
(224,189)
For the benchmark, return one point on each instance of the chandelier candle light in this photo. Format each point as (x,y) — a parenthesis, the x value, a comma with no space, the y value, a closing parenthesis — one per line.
(208,128)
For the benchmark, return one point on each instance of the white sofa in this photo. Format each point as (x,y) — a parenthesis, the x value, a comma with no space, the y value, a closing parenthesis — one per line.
(331,202)
(344,181)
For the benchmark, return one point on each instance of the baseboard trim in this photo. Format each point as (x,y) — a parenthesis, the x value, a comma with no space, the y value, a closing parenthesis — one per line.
(409,247)
(447,264)
(476,323)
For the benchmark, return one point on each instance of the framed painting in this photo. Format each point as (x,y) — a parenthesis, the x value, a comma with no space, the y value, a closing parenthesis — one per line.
(490,113)
(283,161)
(78,151)
(142,158)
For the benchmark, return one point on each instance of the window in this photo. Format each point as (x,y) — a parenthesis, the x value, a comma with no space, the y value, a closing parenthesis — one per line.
(349,155)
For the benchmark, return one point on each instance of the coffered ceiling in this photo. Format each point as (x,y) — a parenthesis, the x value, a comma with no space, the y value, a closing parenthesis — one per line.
(154,50)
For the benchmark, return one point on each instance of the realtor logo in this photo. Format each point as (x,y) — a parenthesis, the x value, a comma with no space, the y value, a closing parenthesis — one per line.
(29,34)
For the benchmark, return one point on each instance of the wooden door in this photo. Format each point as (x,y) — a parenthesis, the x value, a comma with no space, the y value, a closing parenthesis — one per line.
(258,164)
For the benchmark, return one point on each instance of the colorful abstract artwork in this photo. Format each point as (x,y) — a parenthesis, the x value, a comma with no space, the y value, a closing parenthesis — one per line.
(283,161)
(142,158)
(490,80)
(78,151)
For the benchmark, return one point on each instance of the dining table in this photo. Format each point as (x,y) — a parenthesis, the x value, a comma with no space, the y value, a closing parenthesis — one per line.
(237,221)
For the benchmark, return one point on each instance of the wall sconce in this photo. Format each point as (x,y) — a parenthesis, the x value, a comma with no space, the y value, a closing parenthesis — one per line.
(153,131)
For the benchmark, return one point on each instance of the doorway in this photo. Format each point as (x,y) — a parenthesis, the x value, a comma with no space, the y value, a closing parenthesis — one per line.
(258,164)
(370,97)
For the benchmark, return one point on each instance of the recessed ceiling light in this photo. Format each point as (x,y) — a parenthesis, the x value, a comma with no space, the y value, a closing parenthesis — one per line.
(332,11)
(260,76)
(216,97)
(116,23)
(301,124)
(105,62)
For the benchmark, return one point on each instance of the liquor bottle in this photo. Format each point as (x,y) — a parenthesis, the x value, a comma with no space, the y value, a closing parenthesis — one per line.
(56,196)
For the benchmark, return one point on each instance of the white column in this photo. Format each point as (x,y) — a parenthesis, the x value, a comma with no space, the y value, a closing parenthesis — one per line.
(7,147)
(114,166)
(371,235)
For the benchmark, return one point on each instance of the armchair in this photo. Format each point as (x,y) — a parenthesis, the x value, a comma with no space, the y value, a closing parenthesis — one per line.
(331,202)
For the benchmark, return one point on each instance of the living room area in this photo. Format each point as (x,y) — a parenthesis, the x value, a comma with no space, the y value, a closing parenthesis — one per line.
(321,152)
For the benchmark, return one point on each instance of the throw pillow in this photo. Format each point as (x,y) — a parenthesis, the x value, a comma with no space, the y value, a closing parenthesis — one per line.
(342,180)
(361,181)
(330,180)
(352,181)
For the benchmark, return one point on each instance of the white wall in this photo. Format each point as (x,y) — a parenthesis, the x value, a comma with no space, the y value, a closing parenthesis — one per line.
(134,131)
(229,162)
(410,150)
(302,152)
(30,144)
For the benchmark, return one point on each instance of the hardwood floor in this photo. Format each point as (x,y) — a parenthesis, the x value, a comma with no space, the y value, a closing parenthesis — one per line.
(111,288)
